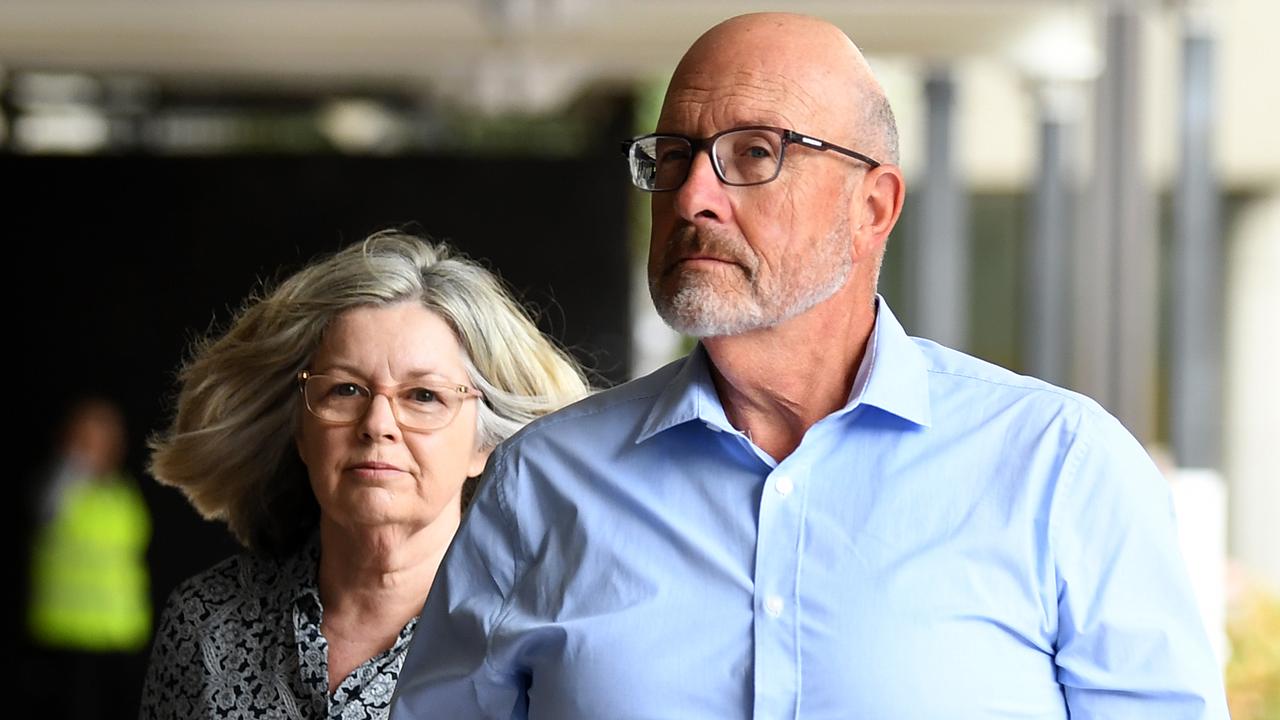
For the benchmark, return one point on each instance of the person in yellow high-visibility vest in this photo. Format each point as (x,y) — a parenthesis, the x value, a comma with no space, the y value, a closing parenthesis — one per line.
(89,585)
(90,593)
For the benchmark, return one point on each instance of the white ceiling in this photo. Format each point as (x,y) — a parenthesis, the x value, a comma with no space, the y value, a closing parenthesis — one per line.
(534,54)
(443,41)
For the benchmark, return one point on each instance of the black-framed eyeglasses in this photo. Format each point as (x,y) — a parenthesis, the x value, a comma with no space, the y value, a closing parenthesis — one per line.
(750,155)
(423,405)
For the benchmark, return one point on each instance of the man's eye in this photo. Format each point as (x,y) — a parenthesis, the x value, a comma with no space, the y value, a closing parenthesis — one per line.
(758,152)
(674,156)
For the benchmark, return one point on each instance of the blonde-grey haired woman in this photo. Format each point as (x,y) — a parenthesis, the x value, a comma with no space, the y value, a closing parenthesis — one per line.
(337,428)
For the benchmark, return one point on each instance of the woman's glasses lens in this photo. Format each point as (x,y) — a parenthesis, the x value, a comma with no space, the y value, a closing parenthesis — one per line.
(339,400)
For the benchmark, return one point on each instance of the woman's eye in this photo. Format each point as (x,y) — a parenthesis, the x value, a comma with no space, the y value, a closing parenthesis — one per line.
(345,390)
(423,396)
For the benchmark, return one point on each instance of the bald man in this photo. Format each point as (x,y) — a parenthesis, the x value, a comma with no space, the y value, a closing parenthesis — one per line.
(812,515)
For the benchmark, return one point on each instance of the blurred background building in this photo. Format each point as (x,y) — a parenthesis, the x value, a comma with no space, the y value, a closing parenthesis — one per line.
(1094,199)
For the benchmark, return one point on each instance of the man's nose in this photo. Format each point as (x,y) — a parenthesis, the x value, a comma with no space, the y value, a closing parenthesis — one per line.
(702,198)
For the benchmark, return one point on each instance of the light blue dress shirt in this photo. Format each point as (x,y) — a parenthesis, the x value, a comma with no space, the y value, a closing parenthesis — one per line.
(956,542)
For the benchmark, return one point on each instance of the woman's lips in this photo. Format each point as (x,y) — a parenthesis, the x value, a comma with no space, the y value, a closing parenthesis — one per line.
(374,470)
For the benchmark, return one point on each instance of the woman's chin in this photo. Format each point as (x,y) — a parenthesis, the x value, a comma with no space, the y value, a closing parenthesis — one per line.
(377,519)
(370,518)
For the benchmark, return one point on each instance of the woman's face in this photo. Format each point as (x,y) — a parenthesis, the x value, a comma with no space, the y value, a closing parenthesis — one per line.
(375,473)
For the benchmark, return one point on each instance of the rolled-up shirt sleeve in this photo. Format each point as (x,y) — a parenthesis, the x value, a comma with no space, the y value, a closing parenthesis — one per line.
(1131,642)
(447,672)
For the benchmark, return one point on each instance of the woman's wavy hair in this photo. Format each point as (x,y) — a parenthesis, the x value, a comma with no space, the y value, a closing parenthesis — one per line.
(231,448)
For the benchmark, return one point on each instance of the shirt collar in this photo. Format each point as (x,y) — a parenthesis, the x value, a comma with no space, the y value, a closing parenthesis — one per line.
(689,395)
(893,377)
(897,380)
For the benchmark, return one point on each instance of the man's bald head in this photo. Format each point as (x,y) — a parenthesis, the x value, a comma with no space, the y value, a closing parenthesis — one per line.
(818,75)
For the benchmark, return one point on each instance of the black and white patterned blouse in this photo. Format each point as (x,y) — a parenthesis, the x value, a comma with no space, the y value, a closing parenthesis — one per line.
(242,640)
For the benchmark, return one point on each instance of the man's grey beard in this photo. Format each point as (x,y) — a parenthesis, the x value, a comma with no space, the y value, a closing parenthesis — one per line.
(696,309)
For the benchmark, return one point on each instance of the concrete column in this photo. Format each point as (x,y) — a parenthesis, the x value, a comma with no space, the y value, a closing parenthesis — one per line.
(1046,318)
(939,272)
(1195,350)
(1116,290)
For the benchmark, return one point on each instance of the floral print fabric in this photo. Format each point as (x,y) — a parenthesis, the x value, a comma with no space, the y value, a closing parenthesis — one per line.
(242,640)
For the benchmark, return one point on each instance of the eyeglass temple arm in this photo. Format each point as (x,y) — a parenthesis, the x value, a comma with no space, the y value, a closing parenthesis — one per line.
(816,144)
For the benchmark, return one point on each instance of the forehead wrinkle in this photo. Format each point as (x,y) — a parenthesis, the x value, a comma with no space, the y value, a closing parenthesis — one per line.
(746,97)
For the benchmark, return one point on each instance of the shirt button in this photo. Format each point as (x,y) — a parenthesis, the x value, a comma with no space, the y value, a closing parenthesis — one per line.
(784,485)
(773,605)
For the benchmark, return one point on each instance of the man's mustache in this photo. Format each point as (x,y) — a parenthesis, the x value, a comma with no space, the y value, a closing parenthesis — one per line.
(690,241)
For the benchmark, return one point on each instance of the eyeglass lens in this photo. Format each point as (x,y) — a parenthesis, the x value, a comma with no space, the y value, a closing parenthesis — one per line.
(741,157)
(344,401)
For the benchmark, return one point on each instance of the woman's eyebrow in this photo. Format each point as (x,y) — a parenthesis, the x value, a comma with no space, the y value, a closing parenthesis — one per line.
(413,375)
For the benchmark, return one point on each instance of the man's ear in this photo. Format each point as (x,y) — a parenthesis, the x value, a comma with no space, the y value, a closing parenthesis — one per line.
(877,207)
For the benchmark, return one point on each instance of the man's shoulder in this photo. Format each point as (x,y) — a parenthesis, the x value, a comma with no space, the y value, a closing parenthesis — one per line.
(964,379)
(968,371)
(1022,412)
(602,414)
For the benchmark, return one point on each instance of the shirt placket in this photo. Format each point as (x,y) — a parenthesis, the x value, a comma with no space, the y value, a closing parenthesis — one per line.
(776,608)
(312,655)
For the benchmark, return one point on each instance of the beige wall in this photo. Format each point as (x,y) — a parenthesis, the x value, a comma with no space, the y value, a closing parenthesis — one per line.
(1252,387)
